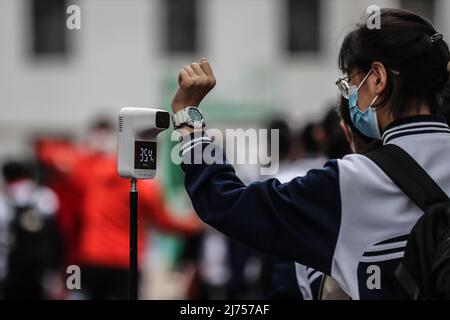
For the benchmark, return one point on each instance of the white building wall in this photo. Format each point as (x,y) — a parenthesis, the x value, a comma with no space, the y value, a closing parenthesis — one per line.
(117,60)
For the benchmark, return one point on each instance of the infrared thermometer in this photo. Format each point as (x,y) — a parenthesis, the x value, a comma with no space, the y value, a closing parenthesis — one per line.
(138,130)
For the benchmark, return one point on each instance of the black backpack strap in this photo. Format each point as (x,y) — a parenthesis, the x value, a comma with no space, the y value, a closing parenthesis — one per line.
(410,286)
(409,176)
(416,183)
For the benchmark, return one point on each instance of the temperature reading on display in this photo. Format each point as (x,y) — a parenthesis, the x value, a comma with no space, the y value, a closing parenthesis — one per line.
(145,155)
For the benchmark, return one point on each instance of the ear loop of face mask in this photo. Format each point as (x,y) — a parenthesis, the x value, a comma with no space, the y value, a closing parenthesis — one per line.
(364,79)
(360,85)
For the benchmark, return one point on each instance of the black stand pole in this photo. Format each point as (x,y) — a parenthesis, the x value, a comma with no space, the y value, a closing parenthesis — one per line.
(133,240)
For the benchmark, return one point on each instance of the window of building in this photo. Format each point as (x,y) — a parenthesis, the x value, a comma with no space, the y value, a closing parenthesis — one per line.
(49,34)
(303,26)
(180,26)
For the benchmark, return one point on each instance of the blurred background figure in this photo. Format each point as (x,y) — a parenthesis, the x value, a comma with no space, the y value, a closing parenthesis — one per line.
(205,257)
(298,154)
(224,269)
(335,145)
(64,163)
(33,259)
(5,218)
(305,150)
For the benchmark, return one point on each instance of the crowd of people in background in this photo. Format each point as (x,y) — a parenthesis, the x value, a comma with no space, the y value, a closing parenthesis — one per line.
(70,207)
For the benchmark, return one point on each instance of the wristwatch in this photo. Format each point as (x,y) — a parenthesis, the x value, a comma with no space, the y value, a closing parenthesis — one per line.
(190,116)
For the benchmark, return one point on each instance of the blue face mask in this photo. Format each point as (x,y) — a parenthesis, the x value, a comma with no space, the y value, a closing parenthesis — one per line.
(366,121)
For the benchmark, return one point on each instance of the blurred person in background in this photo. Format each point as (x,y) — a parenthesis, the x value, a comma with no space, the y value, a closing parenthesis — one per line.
(205,256)
(226,268)
(33,263)
(306,151)
(223,268)
(283,277)
(335,143)
(229,269)
(61,156)
(297,156)
(102,206)
(5,216)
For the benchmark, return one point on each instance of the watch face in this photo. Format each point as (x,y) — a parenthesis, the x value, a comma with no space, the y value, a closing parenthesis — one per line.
(195,115)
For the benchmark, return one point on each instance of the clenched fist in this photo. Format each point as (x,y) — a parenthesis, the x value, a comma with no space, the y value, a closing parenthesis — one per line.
(195,81)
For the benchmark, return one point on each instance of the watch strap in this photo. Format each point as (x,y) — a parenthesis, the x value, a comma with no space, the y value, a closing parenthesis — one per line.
(179,118)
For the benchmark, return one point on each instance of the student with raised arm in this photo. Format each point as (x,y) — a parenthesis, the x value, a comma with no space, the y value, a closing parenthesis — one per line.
(347,220)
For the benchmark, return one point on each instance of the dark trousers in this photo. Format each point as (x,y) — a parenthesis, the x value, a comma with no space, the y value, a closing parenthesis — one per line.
(105,283)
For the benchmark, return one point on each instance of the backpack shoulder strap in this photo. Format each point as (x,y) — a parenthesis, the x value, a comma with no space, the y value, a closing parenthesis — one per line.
(409,176)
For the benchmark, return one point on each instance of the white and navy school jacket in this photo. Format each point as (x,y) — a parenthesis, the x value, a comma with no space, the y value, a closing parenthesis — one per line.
(347,220)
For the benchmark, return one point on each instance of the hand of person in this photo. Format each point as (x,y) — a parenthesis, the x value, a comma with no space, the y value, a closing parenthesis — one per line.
(195,80)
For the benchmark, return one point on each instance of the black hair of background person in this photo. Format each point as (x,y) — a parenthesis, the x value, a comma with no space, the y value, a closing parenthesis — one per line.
(102,123)
(422,62)
(307,140)
(336,145)
(15,170)
(285,136)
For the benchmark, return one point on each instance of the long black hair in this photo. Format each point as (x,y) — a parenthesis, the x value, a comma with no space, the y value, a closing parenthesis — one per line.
(405,43)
